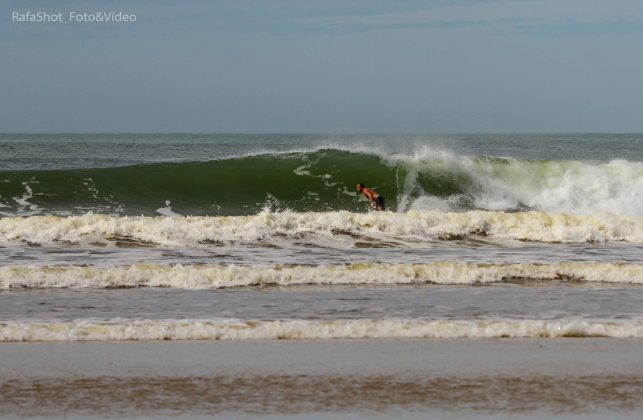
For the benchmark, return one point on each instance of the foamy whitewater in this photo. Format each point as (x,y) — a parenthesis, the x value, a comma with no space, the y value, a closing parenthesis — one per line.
(179,237)
(271,330)
(410,226)
(216,277)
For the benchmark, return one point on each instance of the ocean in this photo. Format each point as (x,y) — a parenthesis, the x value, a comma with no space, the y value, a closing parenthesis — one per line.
(110,237)
(243,275)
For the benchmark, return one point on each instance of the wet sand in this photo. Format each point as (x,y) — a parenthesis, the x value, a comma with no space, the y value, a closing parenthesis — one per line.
(566,377)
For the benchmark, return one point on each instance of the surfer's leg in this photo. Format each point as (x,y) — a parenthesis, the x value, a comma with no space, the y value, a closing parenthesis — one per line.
(380,203)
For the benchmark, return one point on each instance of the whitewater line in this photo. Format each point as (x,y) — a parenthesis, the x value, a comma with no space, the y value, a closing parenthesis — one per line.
(232,329)
(415,226)
(223,276)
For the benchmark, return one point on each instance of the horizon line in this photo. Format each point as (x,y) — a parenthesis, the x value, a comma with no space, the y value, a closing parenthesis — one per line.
(294,133)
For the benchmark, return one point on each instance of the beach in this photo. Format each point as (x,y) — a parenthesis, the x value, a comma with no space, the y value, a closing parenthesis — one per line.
(446,378)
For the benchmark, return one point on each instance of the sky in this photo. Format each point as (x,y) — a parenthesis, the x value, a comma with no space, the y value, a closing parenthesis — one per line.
(315,66)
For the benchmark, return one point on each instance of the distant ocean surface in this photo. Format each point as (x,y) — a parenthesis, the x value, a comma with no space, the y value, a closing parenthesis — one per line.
(149,237)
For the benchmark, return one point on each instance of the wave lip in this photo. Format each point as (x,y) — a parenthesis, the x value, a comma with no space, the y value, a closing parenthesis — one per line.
(229,329)
(414,225)
(222,276)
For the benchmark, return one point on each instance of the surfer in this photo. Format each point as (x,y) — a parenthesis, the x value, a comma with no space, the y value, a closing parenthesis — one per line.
(377,201)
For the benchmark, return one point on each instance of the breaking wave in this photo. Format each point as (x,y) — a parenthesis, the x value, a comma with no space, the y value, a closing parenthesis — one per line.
(323,180)
(222,276)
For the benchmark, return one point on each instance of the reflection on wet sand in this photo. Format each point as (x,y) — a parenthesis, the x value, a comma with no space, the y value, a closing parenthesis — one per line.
(306,393)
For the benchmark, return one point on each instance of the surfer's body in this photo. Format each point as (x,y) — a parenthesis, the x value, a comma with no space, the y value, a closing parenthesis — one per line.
(377,201)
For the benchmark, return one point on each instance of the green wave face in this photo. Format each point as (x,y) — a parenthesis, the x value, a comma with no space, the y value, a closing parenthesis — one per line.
(317,181)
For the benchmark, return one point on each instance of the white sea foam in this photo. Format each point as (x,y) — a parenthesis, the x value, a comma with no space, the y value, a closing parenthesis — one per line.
(550,186)
(413,225)
(220,276)
(167,210)
(569,187)
(229,329)
(24,206)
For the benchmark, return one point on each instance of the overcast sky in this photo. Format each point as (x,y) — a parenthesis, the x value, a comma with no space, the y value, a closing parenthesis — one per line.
(325,66)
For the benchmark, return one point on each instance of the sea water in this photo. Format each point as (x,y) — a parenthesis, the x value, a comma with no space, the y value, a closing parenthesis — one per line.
(149,237)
